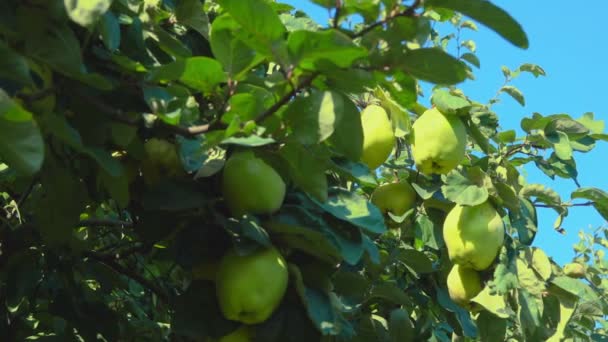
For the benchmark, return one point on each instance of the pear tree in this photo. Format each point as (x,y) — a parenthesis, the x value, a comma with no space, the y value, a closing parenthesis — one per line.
(232,170)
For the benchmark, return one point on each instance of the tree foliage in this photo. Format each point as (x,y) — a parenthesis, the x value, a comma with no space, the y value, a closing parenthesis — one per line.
(116,119)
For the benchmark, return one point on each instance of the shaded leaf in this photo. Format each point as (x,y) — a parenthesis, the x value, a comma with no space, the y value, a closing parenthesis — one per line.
(490,15)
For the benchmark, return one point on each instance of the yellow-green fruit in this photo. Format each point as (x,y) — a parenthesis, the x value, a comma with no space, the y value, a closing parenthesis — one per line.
(251,186)
(574,270)
(473,235)
(396,198)
(378,137)
(463,285)
(249,288)
(439,142)
(161,160)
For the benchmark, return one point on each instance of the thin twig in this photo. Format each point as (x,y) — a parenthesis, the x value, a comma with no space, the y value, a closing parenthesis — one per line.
(410,11)
(337,13)
(585,204)
(104,223)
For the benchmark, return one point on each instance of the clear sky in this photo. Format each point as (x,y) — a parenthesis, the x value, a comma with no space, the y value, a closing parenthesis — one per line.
(569,42)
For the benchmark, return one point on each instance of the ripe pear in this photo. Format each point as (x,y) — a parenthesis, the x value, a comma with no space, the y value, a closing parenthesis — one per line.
(473,235)
(251,186)
(249,288)
(396,198)
(463,285)
(378,137)
(438,142)
(574,270)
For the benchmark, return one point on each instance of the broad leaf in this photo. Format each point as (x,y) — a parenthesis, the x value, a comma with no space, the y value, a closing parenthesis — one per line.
(308,48)
(598,196)
(434,65)
(488,14)
(21,144)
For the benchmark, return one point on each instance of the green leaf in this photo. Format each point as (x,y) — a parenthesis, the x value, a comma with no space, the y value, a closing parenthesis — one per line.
(355,209)
(494,303)
(117,187)
(491,327)
(463,316)
(415,260)
(505,274)
(250,227)
(533,69)
(480,139)
(541,264)
(257,17)
(191,13)
(356,172)
(515,93)
(200,73)
(434,65)
(235,56)
(399,117)
(389,292)
(450,104)
(528,280)
(530,312)
(488,14)
(542,193)
(427,233)
(21,144)
(471,58)
(347,137)
(109,29)
(86,12)
(251,141)
(314,118)
(525,221)
(506,136)
(306,169)
(598,196)
(13,66)
(400,326)
(63,201)
(466,189)
(594,126)
(300,230)
(307,48)
(572,128)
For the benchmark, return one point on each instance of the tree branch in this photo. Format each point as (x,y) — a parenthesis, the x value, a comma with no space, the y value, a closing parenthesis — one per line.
(337,13)
(118,268)
(104,223)
(585,204)
(410,11)
(286,98)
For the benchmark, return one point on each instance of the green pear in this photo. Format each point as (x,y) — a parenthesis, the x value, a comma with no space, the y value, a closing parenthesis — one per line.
(251,186)
(463,285)
(574,270)
(249,288)
(378,137)
(438,142)
(396,198)
(473,235)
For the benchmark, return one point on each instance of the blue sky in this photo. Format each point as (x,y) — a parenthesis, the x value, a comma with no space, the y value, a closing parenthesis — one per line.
(569,43)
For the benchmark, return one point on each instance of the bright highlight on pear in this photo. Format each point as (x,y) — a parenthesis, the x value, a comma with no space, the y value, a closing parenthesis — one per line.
(249,288)
(378,137)
(439,142)
(473,235)
(463,285)
(251,186)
